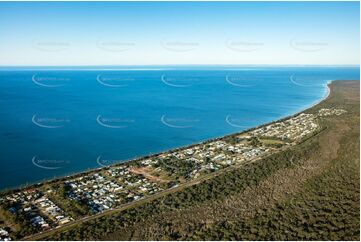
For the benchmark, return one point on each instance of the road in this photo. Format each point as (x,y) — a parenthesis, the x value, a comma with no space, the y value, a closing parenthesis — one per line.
(41,235)
(44,234)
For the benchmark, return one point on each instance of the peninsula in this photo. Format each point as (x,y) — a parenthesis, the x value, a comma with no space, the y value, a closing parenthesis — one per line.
(294,178)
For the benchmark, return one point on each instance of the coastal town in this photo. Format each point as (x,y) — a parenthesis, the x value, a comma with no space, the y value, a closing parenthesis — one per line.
(44,207)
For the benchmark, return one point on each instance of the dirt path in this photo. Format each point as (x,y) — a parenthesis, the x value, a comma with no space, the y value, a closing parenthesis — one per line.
(281,186)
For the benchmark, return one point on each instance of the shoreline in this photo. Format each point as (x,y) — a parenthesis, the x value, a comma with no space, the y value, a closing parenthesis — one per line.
(327,94)
(90,170)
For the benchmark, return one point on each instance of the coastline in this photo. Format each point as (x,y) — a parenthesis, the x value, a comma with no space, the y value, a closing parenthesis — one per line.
(90,170)
(327,94)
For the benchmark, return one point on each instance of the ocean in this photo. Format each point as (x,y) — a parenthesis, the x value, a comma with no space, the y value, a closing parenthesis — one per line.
(58,121)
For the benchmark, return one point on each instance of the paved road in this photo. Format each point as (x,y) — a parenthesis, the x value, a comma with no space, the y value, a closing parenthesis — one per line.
(44,234)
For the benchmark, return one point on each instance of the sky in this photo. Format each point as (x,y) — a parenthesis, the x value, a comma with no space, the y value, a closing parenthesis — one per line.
(179,33)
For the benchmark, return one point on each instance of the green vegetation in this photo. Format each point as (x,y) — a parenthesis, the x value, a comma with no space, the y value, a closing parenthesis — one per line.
(306,192)
(71,207)
(179,168)
(276,143)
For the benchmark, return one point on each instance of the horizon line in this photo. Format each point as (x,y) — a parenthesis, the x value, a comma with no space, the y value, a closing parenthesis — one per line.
(181,65)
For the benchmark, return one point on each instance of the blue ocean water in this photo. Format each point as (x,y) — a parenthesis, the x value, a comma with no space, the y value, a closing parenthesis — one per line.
(55,122)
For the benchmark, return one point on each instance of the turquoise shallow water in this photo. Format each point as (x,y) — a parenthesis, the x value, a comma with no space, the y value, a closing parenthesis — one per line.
(56,122)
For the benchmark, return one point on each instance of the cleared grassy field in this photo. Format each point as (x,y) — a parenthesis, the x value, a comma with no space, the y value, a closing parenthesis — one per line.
(308,192)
